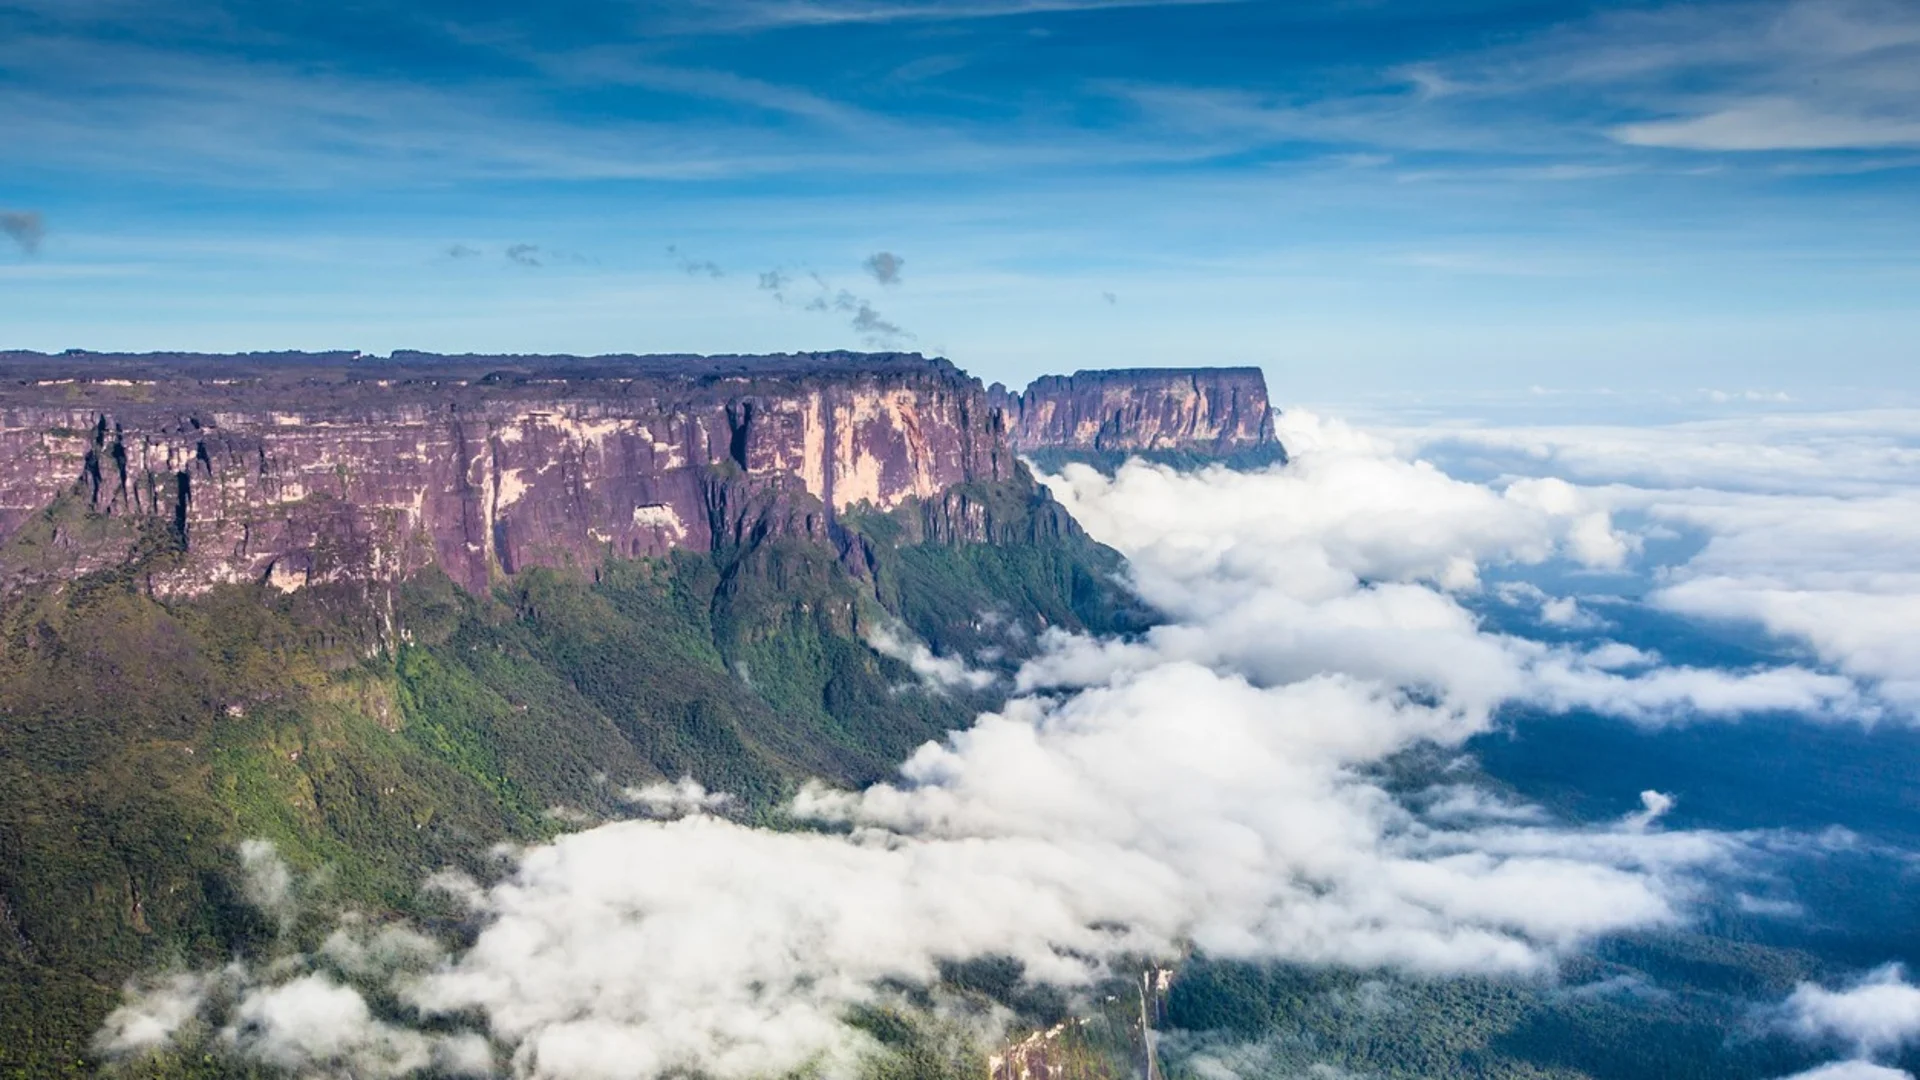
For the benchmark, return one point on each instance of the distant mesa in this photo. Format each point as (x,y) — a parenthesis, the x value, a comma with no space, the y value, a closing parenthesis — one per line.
(1179,416)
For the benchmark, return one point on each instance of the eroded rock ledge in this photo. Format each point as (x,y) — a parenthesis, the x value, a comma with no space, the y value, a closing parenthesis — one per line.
(297,468)
(1176,414)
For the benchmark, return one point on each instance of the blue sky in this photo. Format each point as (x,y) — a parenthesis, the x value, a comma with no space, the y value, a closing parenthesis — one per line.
(1364,196)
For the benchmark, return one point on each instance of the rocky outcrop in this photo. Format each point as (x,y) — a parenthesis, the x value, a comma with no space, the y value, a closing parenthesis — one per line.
(300,468)
(1184,413)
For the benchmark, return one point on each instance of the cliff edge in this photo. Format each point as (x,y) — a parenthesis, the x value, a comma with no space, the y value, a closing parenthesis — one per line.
(1181,416)
(296,469)
(301,468)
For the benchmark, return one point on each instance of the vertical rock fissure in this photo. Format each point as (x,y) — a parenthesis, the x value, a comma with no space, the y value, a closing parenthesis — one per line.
(740,425)
(182,501)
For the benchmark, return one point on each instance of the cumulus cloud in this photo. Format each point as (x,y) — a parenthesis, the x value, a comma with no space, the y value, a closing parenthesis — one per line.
(266,881)
(1843,576)
(1454,803)
(1174,805)
(154,1010)
(1870,452)
(304,1013)
(356,948)
(1353,558)
(1561,612)
(938,673)
(885,267)
(25,228)
(524,254)
(1852,1070)
(1878,1013)
(1653,806)
(1565,611)
(1807,525)
(462,251)
(684,796)
(1199,786)
(314,1020)
(1213,783)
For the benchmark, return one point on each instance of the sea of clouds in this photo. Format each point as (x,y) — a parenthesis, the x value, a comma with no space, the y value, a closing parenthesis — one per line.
(1216,783)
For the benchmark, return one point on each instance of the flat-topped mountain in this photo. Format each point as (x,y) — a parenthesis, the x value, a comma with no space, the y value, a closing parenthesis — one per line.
(294,468)
(392,611)
(1180,415)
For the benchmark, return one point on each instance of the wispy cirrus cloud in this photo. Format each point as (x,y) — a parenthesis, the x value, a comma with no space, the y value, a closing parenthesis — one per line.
(1782,75)
(1798,75)
(1584,97)
(761,14)
(1775,123)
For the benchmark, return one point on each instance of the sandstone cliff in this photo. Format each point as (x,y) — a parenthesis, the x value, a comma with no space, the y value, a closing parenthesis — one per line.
(1182,414)
(301,468)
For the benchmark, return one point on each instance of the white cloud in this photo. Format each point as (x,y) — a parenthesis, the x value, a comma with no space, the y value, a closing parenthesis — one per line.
(1653,806)
(1878,1013)
(1205,784)
(937,673)
(314,1019)
(1766,906)
(154,1011)
(1456,803)
(684,796)
(1350,558)
(1175,804)
(357,949)
(1861,453)
(1564,611)
(1192,786)
(1810,523)
(1773,123)
(1762,75)
(266,882)
(1852,1070)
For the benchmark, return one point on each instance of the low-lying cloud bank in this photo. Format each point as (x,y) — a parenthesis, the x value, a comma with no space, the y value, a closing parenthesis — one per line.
(1215,783)
(1808,525)
(1356,559)
(1873,1016)
(1853,1070)
(1876,1014)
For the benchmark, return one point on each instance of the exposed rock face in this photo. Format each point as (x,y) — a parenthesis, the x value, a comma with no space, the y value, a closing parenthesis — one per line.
(1208,412)
(295,469)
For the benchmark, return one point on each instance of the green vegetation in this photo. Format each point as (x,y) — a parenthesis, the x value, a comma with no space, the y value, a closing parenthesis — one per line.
(375,734)
(1601,1019)
(1053,459)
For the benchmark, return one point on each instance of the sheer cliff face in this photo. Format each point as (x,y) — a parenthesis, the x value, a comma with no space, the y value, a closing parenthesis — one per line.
(301,471)
(1212,411)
